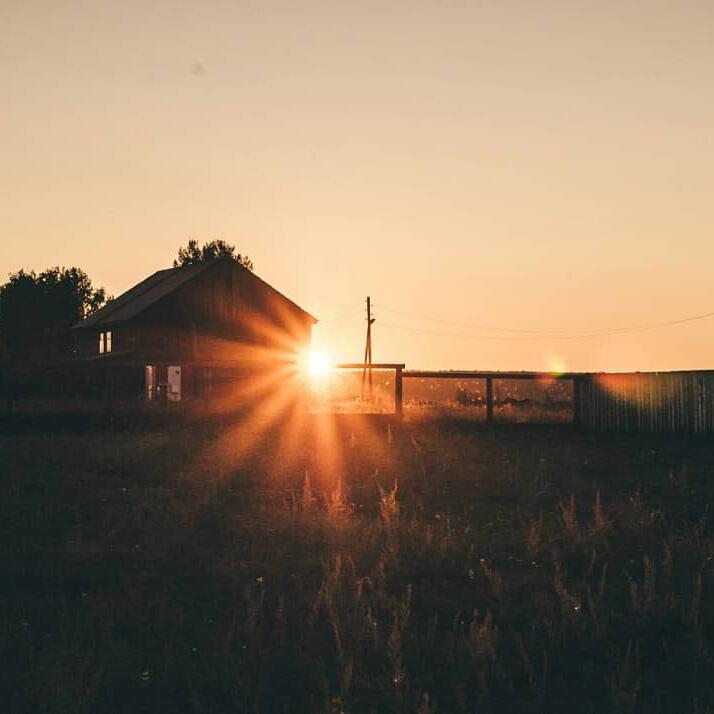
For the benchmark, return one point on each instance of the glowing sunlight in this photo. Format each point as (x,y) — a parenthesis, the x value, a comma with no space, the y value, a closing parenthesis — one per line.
(317,363)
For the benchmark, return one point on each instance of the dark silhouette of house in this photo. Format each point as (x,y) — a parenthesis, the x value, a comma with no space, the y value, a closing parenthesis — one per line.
(193,331)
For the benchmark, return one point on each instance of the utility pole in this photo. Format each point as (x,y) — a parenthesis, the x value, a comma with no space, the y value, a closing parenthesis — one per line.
(367,370)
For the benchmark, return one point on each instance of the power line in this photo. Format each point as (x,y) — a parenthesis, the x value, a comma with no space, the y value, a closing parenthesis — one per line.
(341,313)
(511,334)
(463,324)
(541,338)
(498,338)
(538,334)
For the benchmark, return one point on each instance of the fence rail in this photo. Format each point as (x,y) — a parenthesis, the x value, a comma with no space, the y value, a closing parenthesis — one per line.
(636,401)
(666,402)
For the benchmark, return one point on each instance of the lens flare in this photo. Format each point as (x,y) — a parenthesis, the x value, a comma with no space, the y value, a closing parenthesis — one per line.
(318,364)
(557,364)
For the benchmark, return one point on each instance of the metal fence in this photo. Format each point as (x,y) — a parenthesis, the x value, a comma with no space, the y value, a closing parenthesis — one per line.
(647,401)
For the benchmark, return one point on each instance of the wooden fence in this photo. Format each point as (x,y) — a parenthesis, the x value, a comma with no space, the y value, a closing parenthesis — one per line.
(665,402)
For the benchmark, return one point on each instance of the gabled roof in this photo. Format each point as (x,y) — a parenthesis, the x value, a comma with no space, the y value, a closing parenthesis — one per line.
(154,288)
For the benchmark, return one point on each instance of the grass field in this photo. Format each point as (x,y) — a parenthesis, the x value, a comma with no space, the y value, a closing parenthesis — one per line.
(179,565)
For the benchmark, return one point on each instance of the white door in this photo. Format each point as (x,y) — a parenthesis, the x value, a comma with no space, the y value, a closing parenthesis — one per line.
(150,382)
(174,383)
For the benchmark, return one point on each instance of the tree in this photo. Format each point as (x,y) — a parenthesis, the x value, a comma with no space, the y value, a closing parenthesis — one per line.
(193,253)
(36,311)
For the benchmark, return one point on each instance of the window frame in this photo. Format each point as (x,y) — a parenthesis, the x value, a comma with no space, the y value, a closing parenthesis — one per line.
(105,342)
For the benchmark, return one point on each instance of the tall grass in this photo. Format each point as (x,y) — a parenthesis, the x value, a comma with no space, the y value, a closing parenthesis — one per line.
(441,569)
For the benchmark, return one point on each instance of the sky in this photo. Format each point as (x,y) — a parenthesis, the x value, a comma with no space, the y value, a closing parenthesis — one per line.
(544,170)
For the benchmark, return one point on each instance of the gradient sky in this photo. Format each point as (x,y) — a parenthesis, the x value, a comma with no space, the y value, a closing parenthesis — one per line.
(544,166)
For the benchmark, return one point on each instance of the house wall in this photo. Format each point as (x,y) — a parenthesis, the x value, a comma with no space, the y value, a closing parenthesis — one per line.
(223,314)
(87,341)
(226,329)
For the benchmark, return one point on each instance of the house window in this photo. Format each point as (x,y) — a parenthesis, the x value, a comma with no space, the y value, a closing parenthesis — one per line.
(105,342)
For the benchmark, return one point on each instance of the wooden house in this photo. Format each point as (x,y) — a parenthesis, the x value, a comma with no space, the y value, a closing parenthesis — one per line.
(192,331)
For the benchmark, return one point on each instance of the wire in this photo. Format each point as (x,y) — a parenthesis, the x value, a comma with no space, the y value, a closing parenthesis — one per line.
(539,334)
(462,324)
(334,330)
(532,338)
(511,334)
(340,314)
(499,338)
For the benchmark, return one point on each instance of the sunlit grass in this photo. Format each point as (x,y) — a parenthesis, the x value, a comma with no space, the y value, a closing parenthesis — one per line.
(349,564)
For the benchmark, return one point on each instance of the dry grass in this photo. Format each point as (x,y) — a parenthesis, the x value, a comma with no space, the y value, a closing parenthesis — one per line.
(440,569)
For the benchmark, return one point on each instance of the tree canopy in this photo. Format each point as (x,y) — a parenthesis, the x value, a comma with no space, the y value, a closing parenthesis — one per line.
(193,253)
(37,310)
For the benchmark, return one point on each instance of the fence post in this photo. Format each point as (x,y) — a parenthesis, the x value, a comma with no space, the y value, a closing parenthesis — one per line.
(398,393)
(489,399)
(577,403)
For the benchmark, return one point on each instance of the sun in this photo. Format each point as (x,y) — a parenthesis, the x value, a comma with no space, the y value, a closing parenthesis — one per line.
(556,364)
(318,363)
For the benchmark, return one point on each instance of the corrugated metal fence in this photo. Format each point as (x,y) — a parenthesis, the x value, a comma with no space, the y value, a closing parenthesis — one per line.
(646,401)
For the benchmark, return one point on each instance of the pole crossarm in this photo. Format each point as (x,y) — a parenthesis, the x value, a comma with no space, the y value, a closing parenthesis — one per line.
(374,365)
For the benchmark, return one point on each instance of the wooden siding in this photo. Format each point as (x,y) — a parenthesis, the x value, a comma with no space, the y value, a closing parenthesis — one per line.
(221,314)
(87,342)
(647,402)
